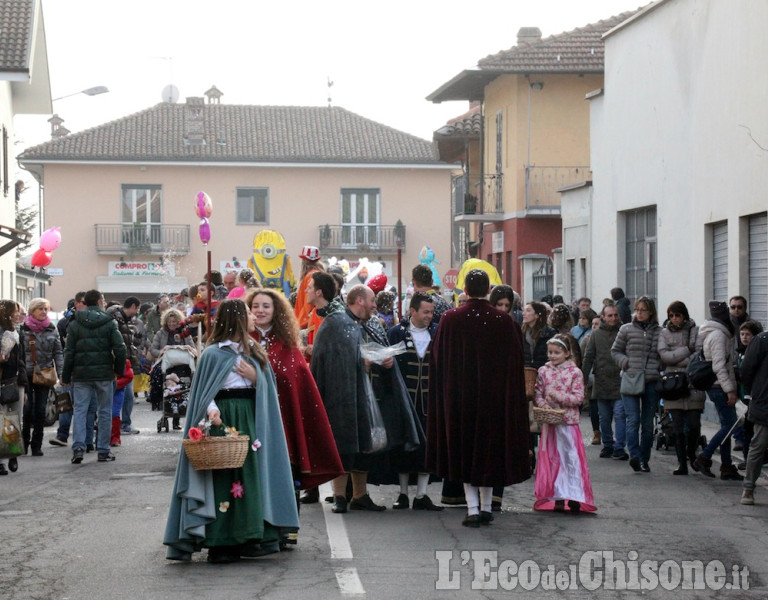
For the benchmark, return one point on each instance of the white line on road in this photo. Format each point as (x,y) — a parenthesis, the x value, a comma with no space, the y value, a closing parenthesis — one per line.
(349,582)
(347,577)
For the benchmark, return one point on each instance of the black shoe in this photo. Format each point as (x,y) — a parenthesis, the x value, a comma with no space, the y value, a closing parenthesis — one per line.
(57,442)
(402,502)
(37,452)
(635,464)
(606,453)
(223,555)
(645,468)
(2,469)
(425,503)
(620,455)
(471,521)
(559,505)
(681,470)
(106,457)
(485,517)
(77,457)
(496,506)
(177,427)
(365,503)
(329,499)
(339,504)
(742,466)
(13,464)
(310,496)
(90,448)
(574,506)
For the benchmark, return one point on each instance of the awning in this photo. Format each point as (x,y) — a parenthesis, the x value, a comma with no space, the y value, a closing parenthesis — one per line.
(10,238)
(141,285)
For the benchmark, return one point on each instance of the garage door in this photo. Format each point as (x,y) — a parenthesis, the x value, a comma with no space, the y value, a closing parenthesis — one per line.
(758,267)
(720,261)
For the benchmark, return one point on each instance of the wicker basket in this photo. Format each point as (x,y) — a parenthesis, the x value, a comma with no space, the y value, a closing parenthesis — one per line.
(218,452)
(530,381)
(551,416)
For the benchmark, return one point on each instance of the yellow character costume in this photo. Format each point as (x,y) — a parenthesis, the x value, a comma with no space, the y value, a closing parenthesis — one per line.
(271,262)
(475,263)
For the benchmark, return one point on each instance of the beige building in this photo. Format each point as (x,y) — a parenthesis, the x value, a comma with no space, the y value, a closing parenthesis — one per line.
(24,89)
(124,193)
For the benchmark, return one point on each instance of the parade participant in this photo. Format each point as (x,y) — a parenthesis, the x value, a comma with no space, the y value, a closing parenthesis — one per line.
(311,448)
(42,349)
(94,355)
(310,262)
(117,403)
(323,295)
(422,282)
(241,512)
(417,331)
(477,419)
(245,281)
(562,473)
(12,368)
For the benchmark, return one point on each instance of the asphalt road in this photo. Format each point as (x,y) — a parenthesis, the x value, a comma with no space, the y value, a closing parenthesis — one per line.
(95,530)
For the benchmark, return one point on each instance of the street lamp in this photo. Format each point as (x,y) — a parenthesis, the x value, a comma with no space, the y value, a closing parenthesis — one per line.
(93,91)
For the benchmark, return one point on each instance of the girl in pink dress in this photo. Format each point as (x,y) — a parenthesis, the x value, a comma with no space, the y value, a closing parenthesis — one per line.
(562,474)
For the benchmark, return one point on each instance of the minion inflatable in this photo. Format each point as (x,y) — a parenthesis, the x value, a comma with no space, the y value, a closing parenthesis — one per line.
(271,263)
(475,263)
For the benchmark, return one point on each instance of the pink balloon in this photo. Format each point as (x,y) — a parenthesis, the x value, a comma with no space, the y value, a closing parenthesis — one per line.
(205,231)
(50,239)
(41,258)
(203,206)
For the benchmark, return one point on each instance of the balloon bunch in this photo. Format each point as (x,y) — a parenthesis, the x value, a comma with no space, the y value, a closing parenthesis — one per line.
(49,241)
(203,209)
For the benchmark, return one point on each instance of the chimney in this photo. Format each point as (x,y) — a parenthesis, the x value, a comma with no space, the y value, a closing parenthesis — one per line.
(528,35)
(194,122)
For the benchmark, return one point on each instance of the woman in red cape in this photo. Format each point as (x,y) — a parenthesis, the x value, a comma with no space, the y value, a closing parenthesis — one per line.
(311,447)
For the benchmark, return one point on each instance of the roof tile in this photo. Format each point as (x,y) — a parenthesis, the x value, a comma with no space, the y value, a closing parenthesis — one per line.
(16,18)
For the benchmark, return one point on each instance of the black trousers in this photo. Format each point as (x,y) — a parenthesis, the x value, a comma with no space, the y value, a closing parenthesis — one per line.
(34,416)
(687,427)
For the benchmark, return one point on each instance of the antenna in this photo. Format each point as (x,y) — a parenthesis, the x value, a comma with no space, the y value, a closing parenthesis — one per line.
(170,94)
(330,85)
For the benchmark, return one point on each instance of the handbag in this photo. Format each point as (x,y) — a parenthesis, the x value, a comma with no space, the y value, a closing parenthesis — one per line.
(43,377)
(700,373)
(9,392)
(64,402)
(672,385)
(632,383)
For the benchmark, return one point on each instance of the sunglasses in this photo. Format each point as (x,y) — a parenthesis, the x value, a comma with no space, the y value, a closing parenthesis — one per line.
(737,307)
(673,315)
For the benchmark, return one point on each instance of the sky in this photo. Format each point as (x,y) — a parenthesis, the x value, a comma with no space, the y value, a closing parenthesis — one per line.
(383,58)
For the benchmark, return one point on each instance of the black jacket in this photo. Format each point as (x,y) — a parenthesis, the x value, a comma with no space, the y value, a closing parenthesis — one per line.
(537,356)
(754,375)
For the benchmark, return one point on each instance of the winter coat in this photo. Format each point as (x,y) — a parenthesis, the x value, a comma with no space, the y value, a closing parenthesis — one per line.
(637,349)
(597,358)
(14,367)
(579,331)
(47,348)
(560,387)
(675,349)
(716,340)
(160,341)
(754,374)
(95,350)
(537,356)
(130,339)
(625,312)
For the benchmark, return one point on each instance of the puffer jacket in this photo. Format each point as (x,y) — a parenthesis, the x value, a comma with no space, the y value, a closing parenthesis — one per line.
(754,374)
(128,331)
(637,349)
(47,348)
(597,358)
(715,338)
(675,349)
(536,356)
(95,350)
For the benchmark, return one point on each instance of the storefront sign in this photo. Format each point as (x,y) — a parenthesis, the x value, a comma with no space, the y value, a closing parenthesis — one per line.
(141,269)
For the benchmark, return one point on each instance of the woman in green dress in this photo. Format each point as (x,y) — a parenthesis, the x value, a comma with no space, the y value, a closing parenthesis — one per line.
(234,512)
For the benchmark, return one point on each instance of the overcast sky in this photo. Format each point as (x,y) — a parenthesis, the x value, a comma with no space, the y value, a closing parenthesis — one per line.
(384,58)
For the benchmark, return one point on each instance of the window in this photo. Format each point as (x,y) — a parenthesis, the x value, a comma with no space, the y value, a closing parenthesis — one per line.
(360,217)
(142,214)
(720,261)
(640,257)
(758,267)
(6,184)
(252,206)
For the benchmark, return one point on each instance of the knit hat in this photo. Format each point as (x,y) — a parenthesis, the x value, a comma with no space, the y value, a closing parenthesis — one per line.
(377,283)
(310,253)
(719,311)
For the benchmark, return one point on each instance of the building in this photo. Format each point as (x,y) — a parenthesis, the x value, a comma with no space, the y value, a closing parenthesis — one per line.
(679,154)
(124,192)
(534,139)
(24,89)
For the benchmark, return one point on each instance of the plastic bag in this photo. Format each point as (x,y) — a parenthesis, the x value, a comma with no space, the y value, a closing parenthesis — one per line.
(378,430)
(10,439)
(378,354)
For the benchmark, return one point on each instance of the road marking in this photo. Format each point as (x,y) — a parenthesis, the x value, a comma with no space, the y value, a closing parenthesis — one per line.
(149,474)
(347,577)
(14,513)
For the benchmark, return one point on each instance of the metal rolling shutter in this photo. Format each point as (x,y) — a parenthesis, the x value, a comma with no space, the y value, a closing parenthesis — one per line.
(720,261)
(758,267)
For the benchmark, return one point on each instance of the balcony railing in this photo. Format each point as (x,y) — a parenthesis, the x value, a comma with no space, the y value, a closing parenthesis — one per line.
(476,195)
(361,239)
(542,184)
(141,239)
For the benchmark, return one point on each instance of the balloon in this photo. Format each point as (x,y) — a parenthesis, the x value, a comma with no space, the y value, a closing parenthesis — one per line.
(50,239)
(205,231)
(203,207)
(41,258)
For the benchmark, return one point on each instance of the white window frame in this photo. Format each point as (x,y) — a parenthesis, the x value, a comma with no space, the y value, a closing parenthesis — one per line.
(257,193)
(360,229)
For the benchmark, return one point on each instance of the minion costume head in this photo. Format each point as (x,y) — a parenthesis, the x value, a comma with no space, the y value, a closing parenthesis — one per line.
(474,263)
(271,262)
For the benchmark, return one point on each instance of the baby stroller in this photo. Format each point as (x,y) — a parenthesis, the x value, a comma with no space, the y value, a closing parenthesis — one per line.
(171,380)
(664,431)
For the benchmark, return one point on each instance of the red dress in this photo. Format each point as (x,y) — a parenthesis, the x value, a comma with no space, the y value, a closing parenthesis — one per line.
(311,446)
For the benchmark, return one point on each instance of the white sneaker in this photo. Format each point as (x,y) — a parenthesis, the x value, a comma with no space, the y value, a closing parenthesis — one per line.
(748,497)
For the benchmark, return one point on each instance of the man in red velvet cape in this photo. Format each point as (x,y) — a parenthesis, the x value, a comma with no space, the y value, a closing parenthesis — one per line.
(477,421)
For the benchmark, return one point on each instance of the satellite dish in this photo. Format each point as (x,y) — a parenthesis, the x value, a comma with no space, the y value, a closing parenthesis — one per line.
(170,94)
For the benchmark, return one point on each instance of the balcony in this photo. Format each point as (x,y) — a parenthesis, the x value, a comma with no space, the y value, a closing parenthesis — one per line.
(361,239)
(542,183)
(478,198)
(141,239)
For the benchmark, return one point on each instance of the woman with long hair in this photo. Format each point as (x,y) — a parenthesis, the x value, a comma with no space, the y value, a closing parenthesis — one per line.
(311,446)
(242,512)
(42,349)
(12,370)
(636,351)
(536,333)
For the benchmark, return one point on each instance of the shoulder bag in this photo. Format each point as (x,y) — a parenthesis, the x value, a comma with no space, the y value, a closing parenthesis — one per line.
(674,385)
(43,377)
(633,382)
(700,373)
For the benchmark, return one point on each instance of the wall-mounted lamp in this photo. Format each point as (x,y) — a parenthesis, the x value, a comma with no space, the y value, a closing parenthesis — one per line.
(537,85)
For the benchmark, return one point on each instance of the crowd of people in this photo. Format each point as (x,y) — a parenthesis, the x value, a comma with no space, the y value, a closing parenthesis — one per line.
(332,385)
